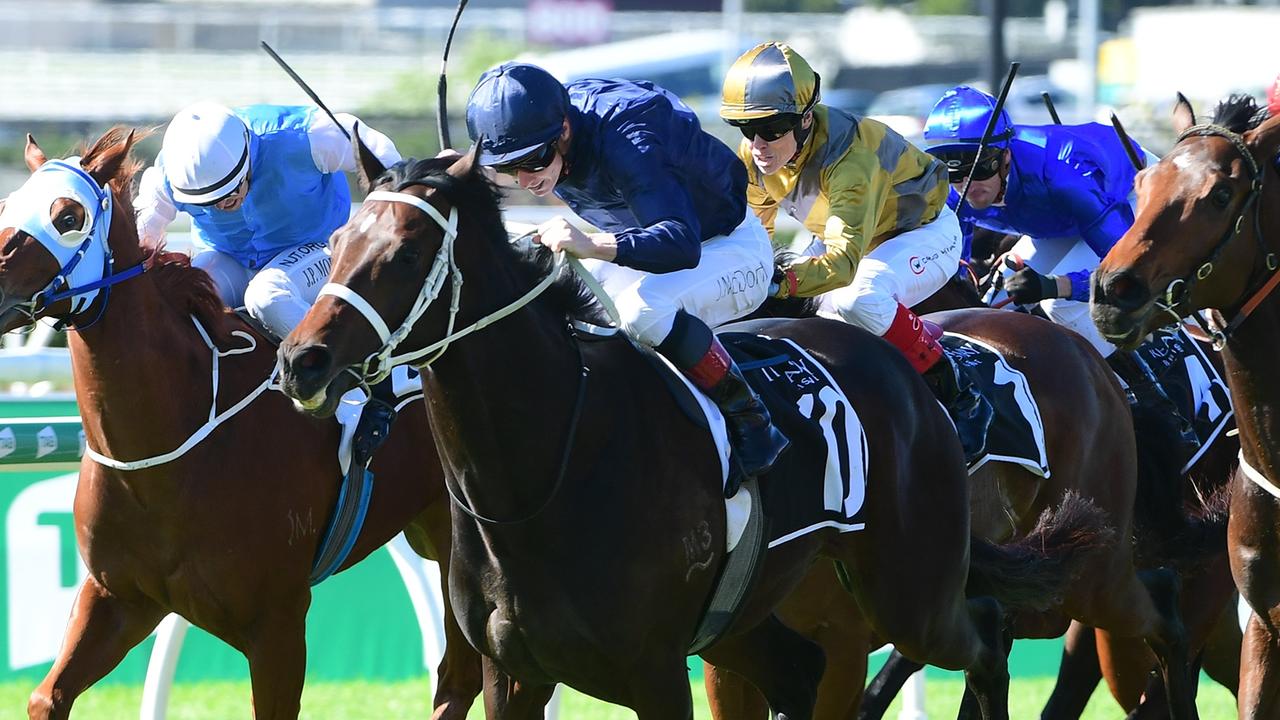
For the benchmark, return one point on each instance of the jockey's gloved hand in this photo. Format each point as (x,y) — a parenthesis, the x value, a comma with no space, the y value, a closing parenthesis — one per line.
(783,283)
(1027,287)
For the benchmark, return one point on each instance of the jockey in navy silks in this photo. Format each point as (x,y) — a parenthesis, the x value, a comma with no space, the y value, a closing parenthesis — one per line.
(677,250)
(1067,189)
(264,187)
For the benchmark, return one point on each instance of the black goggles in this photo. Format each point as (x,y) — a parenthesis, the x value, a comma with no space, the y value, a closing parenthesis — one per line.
(535,161)
(958,167)
(768,129)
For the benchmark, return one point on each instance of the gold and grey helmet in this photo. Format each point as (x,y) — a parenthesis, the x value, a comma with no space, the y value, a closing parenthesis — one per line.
(769,79)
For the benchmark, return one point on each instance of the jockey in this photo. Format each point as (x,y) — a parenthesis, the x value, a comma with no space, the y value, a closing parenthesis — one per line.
(1067,189)
(678,252)
(263,185)
(875,201)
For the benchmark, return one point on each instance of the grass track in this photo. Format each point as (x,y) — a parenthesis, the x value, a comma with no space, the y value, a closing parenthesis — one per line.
(408,700)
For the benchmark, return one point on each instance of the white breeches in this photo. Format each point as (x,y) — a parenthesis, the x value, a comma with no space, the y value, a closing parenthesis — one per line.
(905,269)
(731,280)
(1058,256)
(279,294)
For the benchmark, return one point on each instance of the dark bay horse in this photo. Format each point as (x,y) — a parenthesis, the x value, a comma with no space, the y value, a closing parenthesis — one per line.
(1089,437)
(224,535)
(578,483)
(1205,239)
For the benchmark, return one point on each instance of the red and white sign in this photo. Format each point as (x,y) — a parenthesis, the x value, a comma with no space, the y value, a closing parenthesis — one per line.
(568,22)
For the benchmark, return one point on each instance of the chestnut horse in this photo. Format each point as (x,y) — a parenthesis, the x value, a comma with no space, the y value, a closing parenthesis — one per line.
(577,477)
(226,534)
(1005,500)
(1204,238)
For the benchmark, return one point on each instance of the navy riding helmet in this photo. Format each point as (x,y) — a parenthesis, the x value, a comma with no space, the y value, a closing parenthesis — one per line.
(515,109)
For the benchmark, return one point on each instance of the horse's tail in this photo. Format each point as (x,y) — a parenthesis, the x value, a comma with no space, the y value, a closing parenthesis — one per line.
(1167,531)
(1033,572)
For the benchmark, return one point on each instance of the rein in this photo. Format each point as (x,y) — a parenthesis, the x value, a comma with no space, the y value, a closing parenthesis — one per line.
(215,418)
(1178,291)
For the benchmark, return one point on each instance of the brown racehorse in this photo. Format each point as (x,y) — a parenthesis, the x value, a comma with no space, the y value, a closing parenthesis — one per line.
(577,477)
(1093,457)
(1205,238)
(226,534)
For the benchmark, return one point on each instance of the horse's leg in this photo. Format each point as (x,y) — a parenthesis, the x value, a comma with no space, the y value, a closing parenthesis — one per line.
(277,653)
(886,685)
(731,697)
(1126,664)
(459,675)
(506,699)
(662,693)
(1254,545)
(1221,654)
(1078,675)
(784,665)
(101,630)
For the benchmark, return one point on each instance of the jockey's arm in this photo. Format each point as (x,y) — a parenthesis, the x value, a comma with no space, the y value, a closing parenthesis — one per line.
(154,208)
(1102,221)
(669,234)
(855,196)
(763,206)
(333,151)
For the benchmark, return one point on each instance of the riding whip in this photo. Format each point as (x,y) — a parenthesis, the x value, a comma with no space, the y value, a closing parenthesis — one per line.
(305,88)
(1138,164)
(442,85)
(986,133)
(1048,105)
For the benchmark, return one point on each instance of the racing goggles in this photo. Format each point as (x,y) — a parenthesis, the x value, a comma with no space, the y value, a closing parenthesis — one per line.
(768,129)
(536,161)
(958,166)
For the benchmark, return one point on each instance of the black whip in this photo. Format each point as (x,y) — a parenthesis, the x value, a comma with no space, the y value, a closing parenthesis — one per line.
(442,85)
(305,88)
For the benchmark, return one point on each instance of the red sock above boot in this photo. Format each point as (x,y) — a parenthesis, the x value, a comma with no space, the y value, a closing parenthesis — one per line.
(913,337)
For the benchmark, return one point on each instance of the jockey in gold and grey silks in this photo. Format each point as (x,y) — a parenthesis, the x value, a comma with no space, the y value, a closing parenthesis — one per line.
(855,183)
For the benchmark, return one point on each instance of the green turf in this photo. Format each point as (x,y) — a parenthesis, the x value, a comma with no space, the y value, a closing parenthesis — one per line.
(392,701)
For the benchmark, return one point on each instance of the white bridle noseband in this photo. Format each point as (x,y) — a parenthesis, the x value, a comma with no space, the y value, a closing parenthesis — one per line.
(379,363)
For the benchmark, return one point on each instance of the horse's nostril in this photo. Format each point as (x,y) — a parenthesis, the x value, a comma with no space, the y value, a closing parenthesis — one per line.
(1124,290)
(311,362)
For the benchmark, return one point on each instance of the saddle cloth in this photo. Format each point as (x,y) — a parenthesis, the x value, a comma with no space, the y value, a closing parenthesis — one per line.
(1016,433)
(1189,379)
(820,481)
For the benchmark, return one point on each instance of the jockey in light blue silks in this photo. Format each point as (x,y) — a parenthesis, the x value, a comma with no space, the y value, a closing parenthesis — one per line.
(679,252)
(264,187)
(1067,189)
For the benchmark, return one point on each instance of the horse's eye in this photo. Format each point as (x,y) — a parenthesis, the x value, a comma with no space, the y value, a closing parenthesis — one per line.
(408,256)
(66,222)
(1220,197)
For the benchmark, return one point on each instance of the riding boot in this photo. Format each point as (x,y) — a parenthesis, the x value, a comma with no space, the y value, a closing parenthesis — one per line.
(1143,389)
(917,339)
(375,423)
(693,348)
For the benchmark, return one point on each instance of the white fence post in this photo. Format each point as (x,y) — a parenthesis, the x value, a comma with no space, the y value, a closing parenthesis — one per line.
(160,669)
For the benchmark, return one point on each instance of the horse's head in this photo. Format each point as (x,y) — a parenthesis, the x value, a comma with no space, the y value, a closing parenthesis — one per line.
(54,230)
(390,263)
(1196,241)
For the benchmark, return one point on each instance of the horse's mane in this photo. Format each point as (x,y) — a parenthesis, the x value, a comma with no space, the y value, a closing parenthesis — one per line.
(189,289)
(479,199)
(1239,113)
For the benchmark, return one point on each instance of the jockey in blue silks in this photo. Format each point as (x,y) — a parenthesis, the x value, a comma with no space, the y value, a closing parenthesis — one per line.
(1067,189)
(678,251)
(264,187)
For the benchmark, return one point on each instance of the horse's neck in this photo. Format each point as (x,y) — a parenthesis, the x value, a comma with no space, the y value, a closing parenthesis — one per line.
(141,383)
(500,402)
(1250,359)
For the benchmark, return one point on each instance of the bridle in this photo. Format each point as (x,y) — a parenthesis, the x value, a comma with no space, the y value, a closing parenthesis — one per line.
(379,363)
(1178,291)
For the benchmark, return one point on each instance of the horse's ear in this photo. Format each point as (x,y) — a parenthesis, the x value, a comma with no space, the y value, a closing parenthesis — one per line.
(465,165)
(368,166)
(1183,114)
(34,156)
(105,157)
(1264,140)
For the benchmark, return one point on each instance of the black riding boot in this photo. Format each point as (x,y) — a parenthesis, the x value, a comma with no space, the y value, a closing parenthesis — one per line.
(1143,389)
(969,410)
(375,423)
(693,348)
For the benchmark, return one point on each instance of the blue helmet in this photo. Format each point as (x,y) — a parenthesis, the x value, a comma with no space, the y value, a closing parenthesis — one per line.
(956,123)
(516,108)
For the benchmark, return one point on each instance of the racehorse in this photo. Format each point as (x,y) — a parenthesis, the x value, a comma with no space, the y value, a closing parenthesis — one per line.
(580,487)
(226,534)
(1203,242)
(1084,457)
